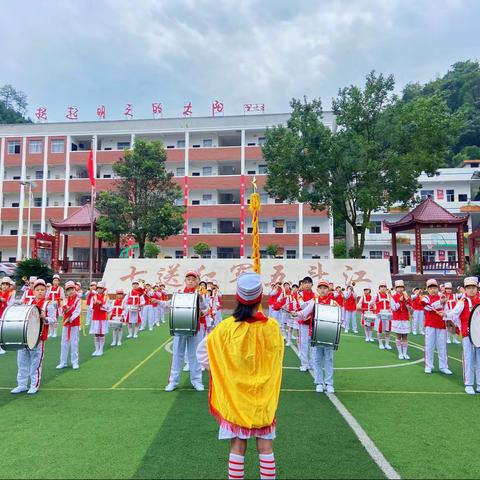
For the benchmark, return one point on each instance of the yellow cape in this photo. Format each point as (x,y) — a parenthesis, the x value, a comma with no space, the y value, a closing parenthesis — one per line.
(246,374)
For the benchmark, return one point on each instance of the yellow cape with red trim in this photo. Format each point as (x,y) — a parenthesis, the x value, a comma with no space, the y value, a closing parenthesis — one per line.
(246,374)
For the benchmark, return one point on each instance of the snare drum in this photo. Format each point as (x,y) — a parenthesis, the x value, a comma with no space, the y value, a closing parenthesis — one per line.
(326,326)
(369,319)
(386,318)
(20,327)
(116,322)
(184,314)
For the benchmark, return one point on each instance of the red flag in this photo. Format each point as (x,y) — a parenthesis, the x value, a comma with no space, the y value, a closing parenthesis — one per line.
(91,174)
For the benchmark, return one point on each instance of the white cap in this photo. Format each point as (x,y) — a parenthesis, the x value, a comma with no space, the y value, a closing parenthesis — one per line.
(431,282)
(101,285)
(249,288)
(470,281)
(382,284)
(32,279)
(399,283)
(448,285)
(39,281)
(69,284)
(6,280)
(57,276)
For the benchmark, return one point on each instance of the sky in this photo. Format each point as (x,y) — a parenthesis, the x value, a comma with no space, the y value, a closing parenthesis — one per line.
(86,53)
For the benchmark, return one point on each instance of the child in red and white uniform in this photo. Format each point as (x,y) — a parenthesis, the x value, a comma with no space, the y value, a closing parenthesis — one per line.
(218,298)
(187,345)
(338,296)
(304,326)
(461,316)
(71,310)
(322,355)
(382,302)
(162,297)
(401,319)
(292,305)
(28,295)
(364,305)
(451,302)
(134,301)
(117,312)
(99,326)
(88,296)
(282,300)
(29,362)
(275,291)
(147,309)
(350,308)
(55,294)
(435,328)
(7,298)
(418,312)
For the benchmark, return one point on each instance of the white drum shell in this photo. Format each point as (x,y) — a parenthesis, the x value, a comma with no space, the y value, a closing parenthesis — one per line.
(20,327)
(184,314)
(327,326)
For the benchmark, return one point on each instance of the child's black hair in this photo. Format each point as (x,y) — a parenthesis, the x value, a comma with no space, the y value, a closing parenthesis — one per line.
(243,312)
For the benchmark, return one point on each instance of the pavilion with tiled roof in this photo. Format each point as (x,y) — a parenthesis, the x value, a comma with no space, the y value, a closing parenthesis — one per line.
(79,222)
(425,217)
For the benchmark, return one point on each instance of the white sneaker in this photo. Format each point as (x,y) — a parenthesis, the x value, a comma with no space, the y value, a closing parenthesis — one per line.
(303,368)
(95,353)
(388,346)
(135,336)
(60,366)
(406,357)
(367,340)
(448,340)
(372,340)
(446,371)
(99,354)
(470,390)
(129,335)
(186,367)
(2,351)
(346,331)
(32,391)
(198,387)
(330,389)
(112,344)
(288,344)
(381,346)
(457,341)
(428,370)
(76,366)
(119,344)
(18,390)
(355,332)
(400,356)
(415,333)
(170,387)
(319,388)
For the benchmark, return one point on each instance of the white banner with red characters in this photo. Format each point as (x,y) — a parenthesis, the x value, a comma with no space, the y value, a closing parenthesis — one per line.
(120,272)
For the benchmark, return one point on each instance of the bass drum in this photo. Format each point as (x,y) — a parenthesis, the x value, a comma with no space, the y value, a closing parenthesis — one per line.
(184,314)
(474,326)
(326,326)
(20,327)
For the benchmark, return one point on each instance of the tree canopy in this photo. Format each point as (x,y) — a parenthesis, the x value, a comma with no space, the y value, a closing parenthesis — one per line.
(370,163)
(13,105)
(143,203)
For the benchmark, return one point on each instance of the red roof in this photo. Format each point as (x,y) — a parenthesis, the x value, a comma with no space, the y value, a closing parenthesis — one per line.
(80,220)
(427,212)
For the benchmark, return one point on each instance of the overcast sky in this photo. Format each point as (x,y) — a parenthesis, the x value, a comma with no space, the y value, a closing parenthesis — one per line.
(112,52)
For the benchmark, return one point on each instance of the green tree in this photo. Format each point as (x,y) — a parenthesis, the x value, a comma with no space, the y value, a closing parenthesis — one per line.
(13,105)
(113,223)
(340,249)
(144,197)
(32,267)
(152,250)
(272,250)
(201,248)
(371,163)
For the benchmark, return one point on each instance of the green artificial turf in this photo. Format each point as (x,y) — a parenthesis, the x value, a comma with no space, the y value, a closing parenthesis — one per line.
(79,426)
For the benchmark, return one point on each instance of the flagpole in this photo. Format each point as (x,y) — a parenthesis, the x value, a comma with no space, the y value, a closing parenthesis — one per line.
(92,243)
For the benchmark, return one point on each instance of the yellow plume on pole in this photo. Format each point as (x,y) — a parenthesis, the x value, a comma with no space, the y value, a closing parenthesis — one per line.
(254,209)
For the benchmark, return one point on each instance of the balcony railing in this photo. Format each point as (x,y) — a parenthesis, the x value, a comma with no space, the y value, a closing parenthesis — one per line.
(441,266)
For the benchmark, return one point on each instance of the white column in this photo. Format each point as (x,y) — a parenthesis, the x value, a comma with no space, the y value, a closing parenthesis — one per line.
(66,195)
(186,165)
(300,231)
(132,141)
(2,172)
(23,176)
(242,173)
(43,227)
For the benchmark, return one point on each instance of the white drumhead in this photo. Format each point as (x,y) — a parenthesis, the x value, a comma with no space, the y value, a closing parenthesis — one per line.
(184,300)
(474,327)
(33,328)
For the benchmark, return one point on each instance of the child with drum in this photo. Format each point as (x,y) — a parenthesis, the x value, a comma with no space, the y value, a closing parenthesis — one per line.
(71,310)
(460,315)
(99,326)
(381,301)
(133,303)
(401,319)
(435,328)
(304,326)
(451,302)
(187,345)
(7,298)
(56,295)
(368,316)
(29,362)
(322,354)
(117,316)
(244,397)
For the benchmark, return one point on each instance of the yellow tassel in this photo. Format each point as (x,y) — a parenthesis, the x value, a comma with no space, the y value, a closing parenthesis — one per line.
(254,209)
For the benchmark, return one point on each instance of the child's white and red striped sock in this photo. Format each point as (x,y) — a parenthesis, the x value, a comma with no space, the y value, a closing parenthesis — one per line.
(236,466)
(267,466)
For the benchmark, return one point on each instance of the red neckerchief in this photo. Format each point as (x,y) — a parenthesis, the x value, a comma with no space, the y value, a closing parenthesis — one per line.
(258,317)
